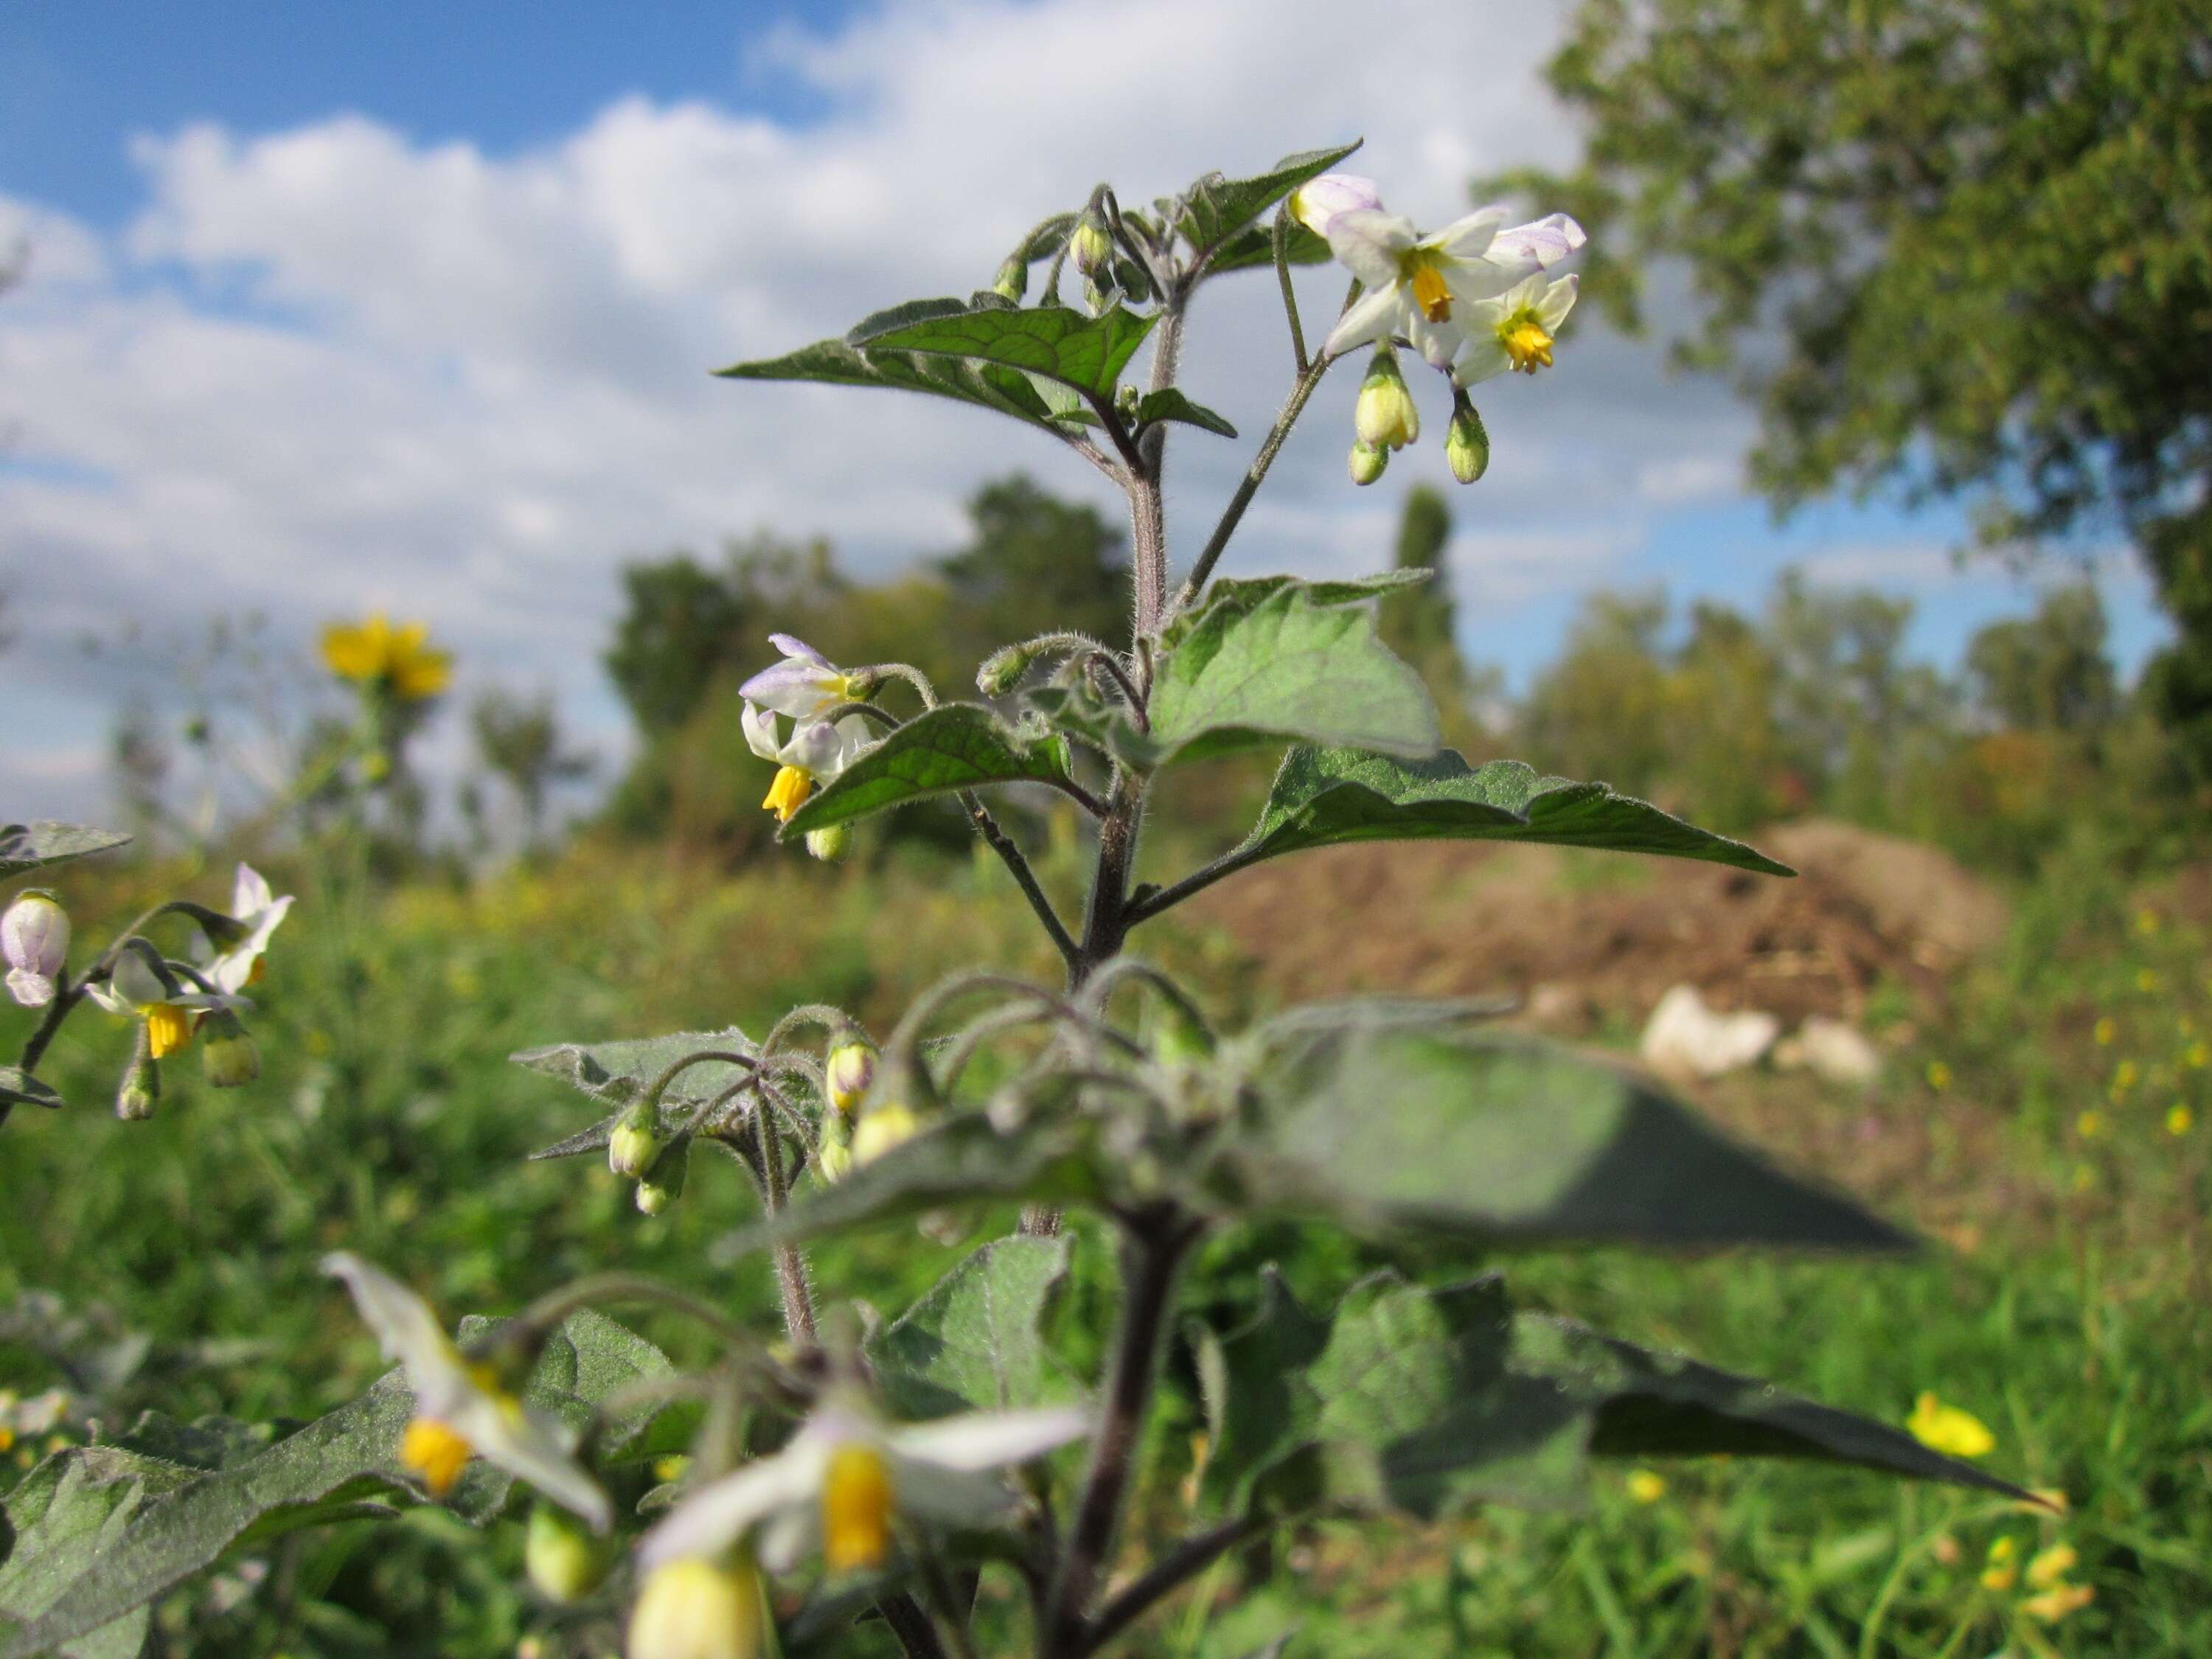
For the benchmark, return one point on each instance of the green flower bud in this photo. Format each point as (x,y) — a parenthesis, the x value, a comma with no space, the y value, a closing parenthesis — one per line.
(141,1090)
(663,1184)
(1013,279)
(228,1056)
(833,845)
(635,1142)
(850,1068)
(834,1161)
(1386,417)
(1368,462)
(565,1560)
(1089,245)
(1003,668)
(1467,445)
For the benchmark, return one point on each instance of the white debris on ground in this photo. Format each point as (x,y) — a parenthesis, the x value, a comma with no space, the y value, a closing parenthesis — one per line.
(1684,1038)
(1833,1050)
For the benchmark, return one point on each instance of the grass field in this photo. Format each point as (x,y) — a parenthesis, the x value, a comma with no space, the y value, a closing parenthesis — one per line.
(2051,1135)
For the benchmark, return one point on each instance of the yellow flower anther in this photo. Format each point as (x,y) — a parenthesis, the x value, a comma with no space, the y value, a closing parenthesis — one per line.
(856,1509)
(168,1027)
(1526,343)
(1430,294)
(434,1452)
(789,792)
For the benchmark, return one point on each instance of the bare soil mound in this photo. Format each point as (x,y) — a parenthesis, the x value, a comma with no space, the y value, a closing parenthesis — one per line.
(1579,937)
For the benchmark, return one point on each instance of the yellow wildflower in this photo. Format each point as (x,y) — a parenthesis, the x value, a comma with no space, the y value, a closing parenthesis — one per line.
(1948,1430)
(2179,1120)
(2050,1565)
(1645,1487)
(2200,1053)
(2084,1178)
(2125,1076)
(2106,1030)
(399,659)
(2001,1572)
(2054,1604)
(1938,1076)
(2089,1125)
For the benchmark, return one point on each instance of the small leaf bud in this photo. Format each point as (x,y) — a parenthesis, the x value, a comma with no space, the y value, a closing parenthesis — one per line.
(850,1069)
(1013,280)
(635,1142)
(833,845)
(1467,445)
(35,941)
(141,1090)
(663,1184)
(861,684)
(566,1561)
(1089,245)
(1003,668)
(1386,417)
(1368,462)
(227,1057)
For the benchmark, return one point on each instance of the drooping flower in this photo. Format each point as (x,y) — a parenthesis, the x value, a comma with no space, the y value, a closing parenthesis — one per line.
(847,1474)
(848,1069)
(805,686)
(400,660)
(1948,1430)
(1318,201)
(882,1126)
(168,1011)
(34,940)
(464,1408)
(1422,287)
(815,753)
(1515,331)
(235,962)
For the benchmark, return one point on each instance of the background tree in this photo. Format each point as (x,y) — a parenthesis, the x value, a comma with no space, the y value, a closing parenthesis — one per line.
(2049,671)
(1035,561)
(519,739)
(1417,622)
(1966,248)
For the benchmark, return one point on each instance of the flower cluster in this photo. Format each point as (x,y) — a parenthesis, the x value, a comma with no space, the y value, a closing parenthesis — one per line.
(806,689)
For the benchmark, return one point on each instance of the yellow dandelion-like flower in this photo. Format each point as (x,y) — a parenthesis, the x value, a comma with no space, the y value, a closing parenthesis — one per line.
(2050,1565)
(1646,1487)
(1938,1076)
(2179,1120)
(2146,980)
(2056,1603)
(2089,1125)
(2106,1030)
(2001,1572)
(2125,1076)
(2147,921)
(2200,1055)
(400,659)
(1948,1430)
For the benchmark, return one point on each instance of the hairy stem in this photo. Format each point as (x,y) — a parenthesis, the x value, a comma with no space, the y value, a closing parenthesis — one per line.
(1177,1567)
(790,1266)
(1153,1246)
(1249,486)
(1017,865)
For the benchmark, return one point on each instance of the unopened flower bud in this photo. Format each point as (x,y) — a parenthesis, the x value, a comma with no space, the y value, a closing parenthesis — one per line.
(882,1127)
(634,1143)
(1386,417)
(565,1560)
(663,1184)
(1467,445)
(1089,245)
(850,1068)
(227,1057)
(833,845)
(35,941)
(833,1161)
(1013,279)
(1318,201)
(140,1089)
(1368,462)
(695,1609)
(1003,668)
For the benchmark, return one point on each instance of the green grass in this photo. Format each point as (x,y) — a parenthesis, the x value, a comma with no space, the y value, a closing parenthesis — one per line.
(2066,1309)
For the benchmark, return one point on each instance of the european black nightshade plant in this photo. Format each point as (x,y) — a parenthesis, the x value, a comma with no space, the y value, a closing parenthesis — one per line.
(873,1472)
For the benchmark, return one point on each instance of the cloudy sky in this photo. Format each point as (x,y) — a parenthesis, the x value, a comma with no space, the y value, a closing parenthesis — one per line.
(411,306)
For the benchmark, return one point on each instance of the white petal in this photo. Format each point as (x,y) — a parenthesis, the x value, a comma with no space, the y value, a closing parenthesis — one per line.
(30,990)
(1466,238)
(532,1448)
(760,732)
(1436,341)
(107,998)
(792,646)
(137,983)
(251,893)
(1370,320)
(711,1519)
(1483,357)
(409,1332)
(951,1498)
(1368,241)
(1558,300)
(1538,245)
(795,686)
(990,1440)
(787,1539)
(816,748)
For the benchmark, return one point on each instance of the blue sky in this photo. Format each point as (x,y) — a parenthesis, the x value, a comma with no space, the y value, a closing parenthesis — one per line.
(334,306)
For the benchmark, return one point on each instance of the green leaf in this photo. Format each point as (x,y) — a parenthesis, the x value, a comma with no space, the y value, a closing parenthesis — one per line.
(1254,245)
(615,1074)
(42,842)
(1215,208)
(1506,1140)
(1239,596)
(339,1468)
(834,362)
(976,1342)
(1086,353)
(19,1088)
(60,1518)
(957,745)
(1303,662)
(1328,797)
(1170,404)
(1427,1401)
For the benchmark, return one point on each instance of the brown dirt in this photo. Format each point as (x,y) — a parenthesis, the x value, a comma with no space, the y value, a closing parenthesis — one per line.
(1579,939)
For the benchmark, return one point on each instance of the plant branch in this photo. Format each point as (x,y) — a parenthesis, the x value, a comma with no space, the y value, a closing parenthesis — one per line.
(1153,1249)
(1196,882)
(1018,864)
(1290,294)
(1182,1562)
(790,1266)
(1249,486)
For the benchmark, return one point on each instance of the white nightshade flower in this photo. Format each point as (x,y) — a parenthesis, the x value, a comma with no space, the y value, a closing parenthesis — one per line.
(35,941)
(464,1408)
(847,1472)
(1515,331)
(1421,286)
(815,752)
(170,1013)
(805,685)
(258,911)
(1318,201)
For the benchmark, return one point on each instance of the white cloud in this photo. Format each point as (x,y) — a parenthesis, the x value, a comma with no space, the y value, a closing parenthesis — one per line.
(331,368)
